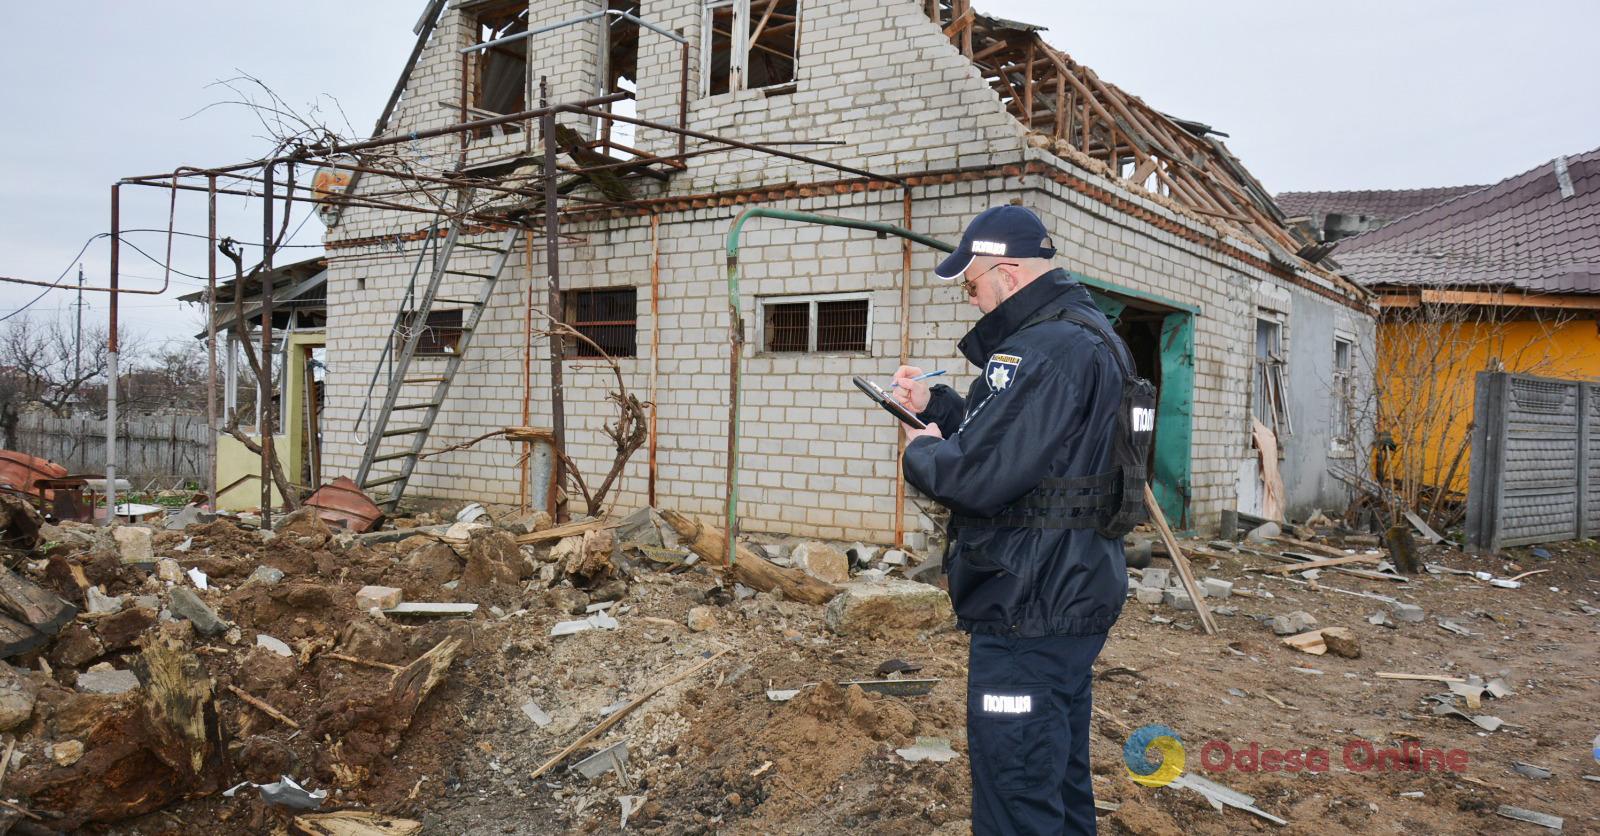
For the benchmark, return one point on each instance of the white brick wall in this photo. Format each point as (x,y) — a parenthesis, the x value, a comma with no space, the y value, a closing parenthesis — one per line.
(817,458)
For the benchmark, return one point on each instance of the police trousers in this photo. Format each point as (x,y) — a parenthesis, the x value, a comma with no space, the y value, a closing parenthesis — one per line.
(1028,705)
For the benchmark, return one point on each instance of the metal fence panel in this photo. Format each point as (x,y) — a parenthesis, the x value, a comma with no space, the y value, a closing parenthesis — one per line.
(1534,473)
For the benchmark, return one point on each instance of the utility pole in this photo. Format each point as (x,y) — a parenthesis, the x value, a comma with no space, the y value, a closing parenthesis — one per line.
(77,340)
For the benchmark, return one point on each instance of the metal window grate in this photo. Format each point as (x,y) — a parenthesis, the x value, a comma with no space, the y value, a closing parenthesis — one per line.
(441,333)
(787,327)
(608,316)
(842,326)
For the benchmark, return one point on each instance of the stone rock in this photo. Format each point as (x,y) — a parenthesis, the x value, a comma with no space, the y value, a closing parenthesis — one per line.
(1298,621)
(566,600)
(1149,595)
(1409,613)
(527,523)
(893,557)
(186,604)
(592,564)
(107,682)
(382,597)
(97,601)
(822,561)
(67,752)
(121,630)
(701,619)
(169,570)
(273,644)
(303,527)
(567,548)
(188,515)
(642,527)
(20,523)
(1177,599)
(1215,587)
(17,695)
(266,575)
(1341,642)
(1264,532)
(893,605)
(1156,578)
(134,544)
(76,645)
(492,558)
(929,571)
(434,564)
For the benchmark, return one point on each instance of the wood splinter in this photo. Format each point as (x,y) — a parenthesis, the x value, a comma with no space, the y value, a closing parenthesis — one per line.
(358,661)
(263,707)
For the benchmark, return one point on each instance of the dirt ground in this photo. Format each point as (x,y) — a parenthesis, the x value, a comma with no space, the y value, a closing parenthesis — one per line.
(713,754)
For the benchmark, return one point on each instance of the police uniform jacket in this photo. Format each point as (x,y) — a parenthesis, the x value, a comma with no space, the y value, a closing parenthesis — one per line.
(1044,405)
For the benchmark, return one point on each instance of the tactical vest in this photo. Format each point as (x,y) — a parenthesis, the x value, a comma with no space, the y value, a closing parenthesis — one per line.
(1111,502)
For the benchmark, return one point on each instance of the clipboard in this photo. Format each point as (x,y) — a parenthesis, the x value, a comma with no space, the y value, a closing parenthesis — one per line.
(887,401)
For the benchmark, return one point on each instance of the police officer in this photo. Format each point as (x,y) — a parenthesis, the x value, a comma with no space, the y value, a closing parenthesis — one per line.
(1024,465)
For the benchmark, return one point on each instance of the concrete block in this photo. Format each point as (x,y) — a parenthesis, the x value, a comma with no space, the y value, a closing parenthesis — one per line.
(1178,599)
(382,597)
(1157,578)
(1409,613)
(1149,595)
(1216,587)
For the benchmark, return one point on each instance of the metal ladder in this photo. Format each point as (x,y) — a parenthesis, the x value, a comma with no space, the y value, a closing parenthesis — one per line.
(413,436)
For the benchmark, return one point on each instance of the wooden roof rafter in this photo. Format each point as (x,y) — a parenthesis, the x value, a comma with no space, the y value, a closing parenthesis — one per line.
(1068,109)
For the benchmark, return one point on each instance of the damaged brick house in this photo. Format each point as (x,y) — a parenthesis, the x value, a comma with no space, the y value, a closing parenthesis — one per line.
(950,112)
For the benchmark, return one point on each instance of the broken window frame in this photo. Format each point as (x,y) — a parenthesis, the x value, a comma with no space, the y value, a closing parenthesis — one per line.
(1344,348)
(1270,393)
(576,349)
(486,26)
(745,15)
(813,323)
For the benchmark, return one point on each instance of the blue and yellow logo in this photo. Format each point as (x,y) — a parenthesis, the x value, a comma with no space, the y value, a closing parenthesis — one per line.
(1167,764)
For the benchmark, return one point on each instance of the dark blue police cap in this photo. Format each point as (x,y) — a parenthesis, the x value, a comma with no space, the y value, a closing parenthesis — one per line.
(1003,232)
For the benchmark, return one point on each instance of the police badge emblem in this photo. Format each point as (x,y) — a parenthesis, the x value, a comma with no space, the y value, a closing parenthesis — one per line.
(1002,369)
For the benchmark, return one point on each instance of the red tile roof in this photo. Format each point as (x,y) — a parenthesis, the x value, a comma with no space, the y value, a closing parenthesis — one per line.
(1522,233)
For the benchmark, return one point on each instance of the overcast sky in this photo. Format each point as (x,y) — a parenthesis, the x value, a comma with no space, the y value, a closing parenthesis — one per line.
(1359,94)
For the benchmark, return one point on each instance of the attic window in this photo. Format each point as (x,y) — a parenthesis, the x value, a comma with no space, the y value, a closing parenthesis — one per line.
(500,73)
(749,44)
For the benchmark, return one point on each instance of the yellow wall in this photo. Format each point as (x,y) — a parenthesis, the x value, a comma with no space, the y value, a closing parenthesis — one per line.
(234,460)
(1426,374)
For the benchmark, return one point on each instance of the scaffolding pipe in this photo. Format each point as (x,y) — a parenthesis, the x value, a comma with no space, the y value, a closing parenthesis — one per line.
(736,330)
(211,343)
(510,39)
(112,348)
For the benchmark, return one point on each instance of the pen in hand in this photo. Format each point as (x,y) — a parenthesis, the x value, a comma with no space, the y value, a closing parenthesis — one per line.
(923,376)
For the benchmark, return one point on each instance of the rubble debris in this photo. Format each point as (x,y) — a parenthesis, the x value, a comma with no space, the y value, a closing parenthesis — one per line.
(1155,578)
(342,503)
(275,645)
(1341,642)
(892,687)
(1219,796)
(613,758)
(643,527)
(1409,613)
(31,614)
(1451,627)
(893,605)
(1419,677)
(701,619)
(527,523)
(1530,816)
(561,532)
(782,694)
(823,562)
(107,682)
(134,544)
(936,749)
(267,575)
(1403,549)
(169,570)
(1528,770)
(1178,599)
(96,601)
(533,712)
(67,752)
(184,603)
(1150,595)
(380,597)
(18,692)
(1382,619)
(198,578)
(430,608)
(749,568)
(355,823)
(892,666)
(1216,587)
(19,523)
(1487,722)
(285,792)
(617,716)
(1298,621)
(588,566)
(1263,533)
(630,804)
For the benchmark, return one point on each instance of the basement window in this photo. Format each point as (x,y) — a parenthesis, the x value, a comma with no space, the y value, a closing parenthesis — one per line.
(833,324)
(1270,399)
(608,316)
(750,45)
(441,333)
(500,73)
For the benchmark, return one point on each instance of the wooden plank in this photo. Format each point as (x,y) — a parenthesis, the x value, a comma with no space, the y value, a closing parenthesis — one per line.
(1185,572)
(1318,564)
(750,568)
(1309,546)
(1418,677)
(563,531)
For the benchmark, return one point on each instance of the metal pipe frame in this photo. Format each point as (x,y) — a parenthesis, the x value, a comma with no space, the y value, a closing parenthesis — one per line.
(509,39)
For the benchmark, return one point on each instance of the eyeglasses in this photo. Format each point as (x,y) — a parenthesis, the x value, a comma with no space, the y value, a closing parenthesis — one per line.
(971,285)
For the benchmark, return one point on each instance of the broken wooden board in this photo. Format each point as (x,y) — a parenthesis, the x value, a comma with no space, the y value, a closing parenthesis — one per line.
(1319,548)
(750,569)
(562,532)
(1319,564)
(1310,642)
(32,604)
(355,823)
(1423,528)
(1418,677)
(1175,553)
